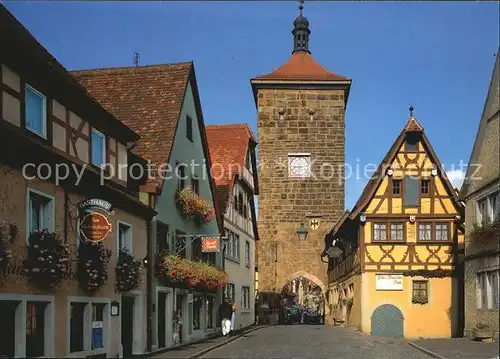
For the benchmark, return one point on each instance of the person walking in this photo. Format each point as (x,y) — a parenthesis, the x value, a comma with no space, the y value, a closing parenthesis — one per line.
(225,313)
(233,315)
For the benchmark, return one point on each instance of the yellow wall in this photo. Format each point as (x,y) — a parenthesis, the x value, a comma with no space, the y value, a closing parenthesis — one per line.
(431,320)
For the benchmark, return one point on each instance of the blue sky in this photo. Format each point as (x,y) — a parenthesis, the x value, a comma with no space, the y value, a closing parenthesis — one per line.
(437,56)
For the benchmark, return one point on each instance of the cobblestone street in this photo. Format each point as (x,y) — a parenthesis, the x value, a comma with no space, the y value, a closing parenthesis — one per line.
(301,341)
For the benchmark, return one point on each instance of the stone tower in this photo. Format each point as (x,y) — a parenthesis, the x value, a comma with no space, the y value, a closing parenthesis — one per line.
(301,108)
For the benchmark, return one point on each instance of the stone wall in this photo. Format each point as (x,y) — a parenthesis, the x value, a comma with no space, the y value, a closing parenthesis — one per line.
(285,202)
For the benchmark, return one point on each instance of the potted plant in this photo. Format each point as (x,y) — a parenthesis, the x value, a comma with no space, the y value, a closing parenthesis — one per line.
(419,299)
(47,262)
(5,252)
(482,331)
(93,261)
(485,231)
(194,206)
(128,275)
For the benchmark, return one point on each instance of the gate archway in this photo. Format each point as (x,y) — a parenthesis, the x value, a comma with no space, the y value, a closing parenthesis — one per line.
(388,322)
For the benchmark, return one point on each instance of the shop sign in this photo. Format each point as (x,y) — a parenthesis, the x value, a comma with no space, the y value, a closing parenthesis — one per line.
(210,244)
(389,282)
(93,217)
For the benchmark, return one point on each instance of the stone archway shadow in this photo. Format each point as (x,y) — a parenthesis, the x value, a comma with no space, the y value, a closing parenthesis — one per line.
(307,275)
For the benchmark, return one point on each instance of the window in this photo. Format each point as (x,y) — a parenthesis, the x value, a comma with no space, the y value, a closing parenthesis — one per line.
(420,292)
(442,233)
(379,232)
(210,312)
(247,253)
(396,187)
(35,327)
(189,128)
(98,148)
(425,186)
(248,161)
(397,231)
(351,290)
(180,244)
(488,208)
(195,185)
(196,250)
(180,170)
(36,114)
(124,236)
(233,245)
(229,292)
(411,191)
(488,289)
(240,204)
(245,297)
(40,211)
(161,236)
(77,321)
(197,308)
(97,326)
(425,231)
(411,143)
(235,203)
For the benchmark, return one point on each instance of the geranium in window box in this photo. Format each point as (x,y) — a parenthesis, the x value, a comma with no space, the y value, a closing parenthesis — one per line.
(93,261)
(486,231)
(127,271)
(419,299)
(47,263)
(194,206)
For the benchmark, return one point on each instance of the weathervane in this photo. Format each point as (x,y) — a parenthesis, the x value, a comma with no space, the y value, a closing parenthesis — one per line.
(301,6)
(411,111)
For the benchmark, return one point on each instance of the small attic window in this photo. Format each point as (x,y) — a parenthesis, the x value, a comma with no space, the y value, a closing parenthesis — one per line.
(189,128)
(411,143)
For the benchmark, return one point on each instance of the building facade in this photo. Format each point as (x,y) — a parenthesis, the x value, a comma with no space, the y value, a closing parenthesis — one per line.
(397,256)
(301,108)
(173,140)
(481,193)
(234,167)
(54,142)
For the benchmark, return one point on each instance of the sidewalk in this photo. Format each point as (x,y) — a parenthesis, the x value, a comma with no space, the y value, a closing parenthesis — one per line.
(197,349)
(456,348)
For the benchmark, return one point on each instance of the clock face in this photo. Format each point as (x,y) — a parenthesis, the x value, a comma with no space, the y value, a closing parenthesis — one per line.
(298,167)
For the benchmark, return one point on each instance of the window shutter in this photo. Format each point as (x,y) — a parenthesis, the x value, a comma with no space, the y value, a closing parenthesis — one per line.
(411,191)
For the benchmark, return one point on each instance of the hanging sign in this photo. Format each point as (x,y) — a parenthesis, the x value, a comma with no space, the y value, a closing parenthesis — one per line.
(389,282)
(93,217)
(210,244)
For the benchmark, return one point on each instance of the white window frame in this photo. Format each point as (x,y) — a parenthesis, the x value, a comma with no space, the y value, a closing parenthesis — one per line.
(129,239)
(247,253)
(49,221)
(245,297)
(20,324)
(44,111)
(487,291)
(87,326)
(488,202)
(103,136)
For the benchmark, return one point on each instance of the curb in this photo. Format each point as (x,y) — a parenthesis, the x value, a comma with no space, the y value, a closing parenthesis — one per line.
(426,351)
(231,339)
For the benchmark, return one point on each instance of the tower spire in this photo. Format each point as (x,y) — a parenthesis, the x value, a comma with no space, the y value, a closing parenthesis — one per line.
(301,31)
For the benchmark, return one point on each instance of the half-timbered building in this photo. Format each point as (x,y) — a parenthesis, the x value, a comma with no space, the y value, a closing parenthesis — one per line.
(232,151)
(396,257)
(59,148)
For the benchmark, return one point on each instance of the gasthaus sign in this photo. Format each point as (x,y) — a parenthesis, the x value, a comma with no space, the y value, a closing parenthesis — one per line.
(389,282)
(94,219)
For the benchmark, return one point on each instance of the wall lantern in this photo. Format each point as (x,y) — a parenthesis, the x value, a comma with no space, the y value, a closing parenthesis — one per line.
(302,232)
(145,262)
(390,172)
(115,309)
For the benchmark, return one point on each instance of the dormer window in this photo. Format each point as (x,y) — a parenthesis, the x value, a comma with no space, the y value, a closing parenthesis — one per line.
(98,148)
(36,114)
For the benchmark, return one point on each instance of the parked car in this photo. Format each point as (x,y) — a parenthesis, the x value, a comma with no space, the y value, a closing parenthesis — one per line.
(312,318)
(290,315)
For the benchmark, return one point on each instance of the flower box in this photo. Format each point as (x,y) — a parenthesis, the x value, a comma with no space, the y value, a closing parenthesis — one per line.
(184,273)
(192,205)
(128,275)
(93,261)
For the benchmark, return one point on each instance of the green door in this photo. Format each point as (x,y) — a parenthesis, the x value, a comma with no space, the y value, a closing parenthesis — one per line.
(387,321)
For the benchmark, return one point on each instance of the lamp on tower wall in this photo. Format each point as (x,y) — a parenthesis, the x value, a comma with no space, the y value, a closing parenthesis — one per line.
(302,232)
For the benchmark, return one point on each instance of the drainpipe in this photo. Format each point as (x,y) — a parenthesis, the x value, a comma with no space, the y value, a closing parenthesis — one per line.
(66,215)
(149,284)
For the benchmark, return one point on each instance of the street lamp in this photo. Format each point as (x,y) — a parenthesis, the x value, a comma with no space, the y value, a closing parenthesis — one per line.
(302,232)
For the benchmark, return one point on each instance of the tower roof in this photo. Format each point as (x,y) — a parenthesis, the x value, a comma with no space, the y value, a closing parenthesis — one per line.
(302,67)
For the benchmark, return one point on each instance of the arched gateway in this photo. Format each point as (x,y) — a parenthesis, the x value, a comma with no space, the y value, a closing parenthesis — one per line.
(301,123)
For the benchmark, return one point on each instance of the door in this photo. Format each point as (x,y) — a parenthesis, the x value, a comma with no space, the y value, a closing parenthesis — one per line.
(7,329)
(127,325)
(35,329)
(387,321)
(178,327)
(162,313)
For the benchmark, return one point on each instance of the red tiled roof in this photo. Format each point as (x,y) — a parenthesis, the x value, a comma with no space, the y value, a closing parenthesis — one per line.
(228,146)
(413,126)
(302,67)
(146,98)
